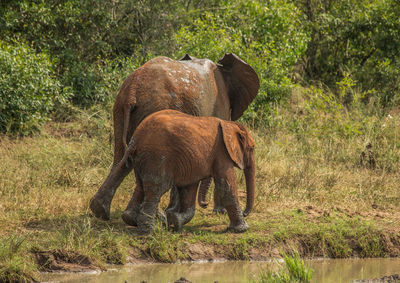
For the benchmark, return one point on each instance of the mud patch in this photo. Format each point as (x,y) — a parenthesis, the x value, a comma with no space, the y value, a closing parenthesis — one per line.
(201,252)
(180,280)
(385,279)
(60,260)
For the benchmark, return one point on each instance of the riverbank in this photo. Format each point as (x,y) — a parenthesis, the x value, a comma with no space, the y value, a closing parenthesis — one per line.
(326,186)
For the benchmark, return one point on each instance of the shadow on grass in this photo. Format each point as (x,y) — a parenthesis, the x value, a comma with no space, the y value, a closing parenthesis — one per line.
(218,229)
(57,223)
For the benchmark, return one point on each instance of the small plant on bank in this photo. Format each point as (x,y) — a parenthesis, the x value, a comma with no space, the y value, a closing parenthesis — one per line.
(163,245)
(239,250)
(293,270)
(14,266)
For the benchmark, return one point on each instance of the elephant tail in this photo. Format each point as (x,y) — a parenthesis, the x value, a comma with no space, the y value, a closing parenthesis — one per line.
(129,153)
(128,108)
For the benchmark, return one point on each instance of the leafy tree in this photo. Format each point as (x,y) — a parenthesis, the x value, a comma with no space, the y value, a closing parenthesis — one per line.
(79,35)
(359,38)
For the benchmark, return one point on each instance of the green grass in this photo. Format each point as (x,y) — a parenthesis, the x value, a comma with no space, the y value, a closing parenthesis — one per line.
(292,270)
(312,192)
(14,265)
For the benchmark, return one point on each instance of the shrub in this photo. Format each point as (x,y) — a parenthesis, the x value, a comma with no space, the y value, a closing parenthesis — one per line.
(356,37)
(293,270)
(112,74)
(98,83)
(28,89)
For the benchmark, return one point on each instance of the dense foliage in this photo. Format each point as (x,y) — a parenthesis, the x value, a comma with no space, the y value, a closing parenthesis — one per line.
(28,88)
(93,45)
(354,38)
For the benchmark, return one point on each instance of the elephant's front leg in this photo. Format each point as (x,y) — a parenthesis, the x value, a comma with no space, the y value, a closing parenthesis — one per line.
(187,206)
(226,189)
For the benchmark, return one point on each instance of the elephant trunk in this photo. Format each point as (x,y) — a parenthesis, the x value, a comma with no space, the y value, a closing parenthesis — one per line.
(203,190)
(250,176)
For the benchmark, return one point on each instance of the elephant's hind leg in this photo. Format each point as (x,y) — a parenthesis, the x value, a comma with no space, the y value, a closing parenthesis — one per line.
(218,202)
(203,190)
(174,204)
(133,209)
(146,219)
(101,201)
(187,206)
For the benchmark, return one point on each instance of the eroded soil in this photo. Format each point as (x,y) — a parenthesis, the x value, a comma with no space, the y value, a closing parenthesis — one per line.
(59,260)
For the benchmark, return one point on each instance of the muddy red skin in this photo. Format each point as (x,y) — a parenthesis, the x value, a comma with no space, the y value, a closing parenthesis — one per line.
(172,149)
(194,86)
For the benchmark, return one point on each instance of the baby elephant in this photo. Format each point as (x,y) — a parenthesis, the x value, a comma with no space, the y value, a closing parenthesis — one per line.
(169,149)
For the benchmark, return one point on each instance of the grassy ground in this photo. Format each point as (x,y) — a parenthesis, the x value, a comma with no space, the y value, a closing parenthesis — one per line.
(327,184)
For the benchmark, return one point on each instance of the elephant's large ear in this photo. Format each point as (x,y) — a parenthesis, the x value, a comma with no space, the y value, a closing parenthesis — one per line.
(232,139)
(242,83)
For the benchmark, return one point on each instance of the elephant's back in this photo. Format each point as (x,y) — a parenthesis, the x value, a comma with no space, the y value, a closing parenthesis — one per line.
(176,125)
(163,83)
(177,140)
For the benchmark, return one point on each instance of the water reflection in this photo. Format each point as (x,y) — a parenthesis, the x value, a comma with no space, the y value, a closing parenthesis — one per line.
(326,271)
(345,270)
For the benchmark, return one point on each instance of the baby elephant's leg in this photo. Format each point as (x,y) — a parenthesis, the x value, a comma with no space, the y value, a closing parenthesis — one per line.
(173,205)
(226,187)
(147,217)
(218,203)
(187,205)
(132,210)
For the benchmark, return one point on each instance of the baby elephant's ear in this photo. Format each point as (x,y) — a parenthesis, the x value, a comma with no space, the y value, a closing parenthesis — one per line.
(232,139)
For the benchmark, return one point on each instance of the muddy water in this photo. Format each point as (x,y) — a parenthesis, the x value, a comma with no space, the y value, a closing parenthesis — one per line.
(326,271)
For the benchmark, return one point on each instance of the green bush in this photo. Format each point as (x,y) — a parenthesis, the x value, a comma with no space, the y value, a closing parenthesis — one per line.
(82,80)
(99,82)
(28,89)
(111,74)
(356,38)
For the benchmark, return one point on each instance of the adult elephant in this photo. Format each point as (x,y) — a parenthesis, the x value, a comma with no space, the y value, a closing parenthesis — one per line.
(194,86)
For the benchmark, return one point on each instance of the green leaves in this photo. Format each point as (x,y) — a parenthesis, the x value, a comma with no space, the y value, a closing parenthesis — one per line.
(312,41)
(28,89)
(353,38)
